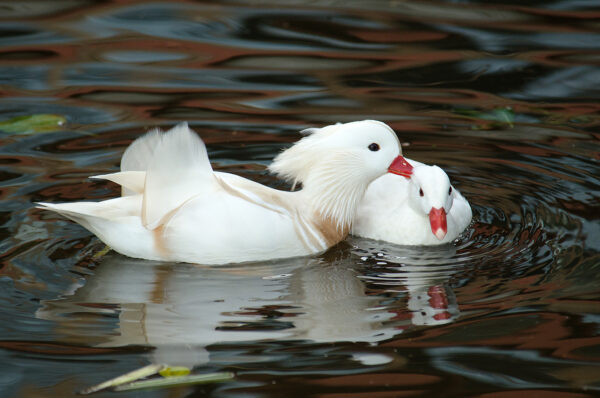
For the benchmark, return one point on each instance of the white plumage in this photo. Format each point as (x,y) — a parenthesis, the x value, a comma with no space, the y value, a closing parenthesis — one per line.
(424,209)
(417,207)
(175,208)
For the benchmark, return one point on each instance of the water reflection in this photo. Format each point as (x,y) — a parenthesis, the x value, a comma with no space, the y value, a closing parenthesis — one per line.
(165,306)
(423,276)
(309,61)
(182,309)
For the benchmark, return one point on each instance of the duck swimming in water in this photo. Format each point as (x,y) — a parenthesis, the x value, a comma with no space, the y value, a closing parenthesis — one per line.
(175,208)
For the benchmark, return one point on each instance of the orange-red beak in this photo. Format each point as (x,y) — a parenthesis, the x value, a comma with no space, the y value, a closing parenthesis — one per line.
(437,219)
(401,167)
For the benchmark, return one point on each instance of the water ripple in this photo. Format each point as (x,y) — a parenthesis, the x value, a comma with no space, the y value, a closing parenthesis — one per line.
(499,95)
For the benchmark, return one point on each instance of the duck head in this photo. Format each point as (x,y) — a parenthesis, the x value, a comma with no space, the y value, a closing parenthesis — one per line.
(337,163)
(364,150)
(430,193)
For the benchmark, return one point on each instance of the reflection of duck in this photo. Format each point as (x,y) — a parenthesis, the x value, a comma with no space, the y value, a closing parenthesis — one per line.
(176,307)
(423,275)
(175,208)
(179,310)
(431,304)
(336,306)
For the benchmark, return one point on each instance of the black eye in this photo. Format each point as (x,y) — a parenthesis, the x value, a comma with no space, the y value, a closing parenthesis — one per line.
(421,192)
(374,147)
(450,191)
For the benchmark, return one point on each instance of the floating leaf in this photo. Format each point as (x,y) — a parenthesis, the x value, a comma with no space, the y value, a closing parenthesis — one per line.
(500,117)
(126,378)
(504,115)
(176,381)
(101,253)
(174,371)
(31,124)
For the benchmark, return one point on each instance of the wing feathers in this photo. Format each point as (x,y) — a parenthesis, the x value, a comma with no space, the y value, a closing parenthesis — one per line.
(131,182)
(138,155)
(178,170)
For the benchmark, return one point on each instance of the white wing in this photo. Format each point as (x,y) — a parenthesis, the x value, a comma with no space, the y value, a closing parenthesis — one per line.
(178,170)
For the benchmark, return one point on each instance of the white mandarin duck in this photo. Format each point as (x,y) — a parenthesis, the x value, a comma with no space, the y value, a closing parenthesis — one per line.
(175,208)
(418,206)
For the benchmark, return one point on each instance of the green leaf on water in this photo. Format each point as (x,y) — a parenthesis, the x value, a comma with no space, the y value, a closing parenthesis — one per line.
(101,253)
(499,117)
(504,115)
(32,124)
(178,381)
(174,371)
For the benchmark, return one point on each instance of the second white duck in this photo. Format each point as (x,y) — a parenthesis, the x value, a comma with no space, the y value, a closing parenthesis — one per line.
(175,208)
(419,207)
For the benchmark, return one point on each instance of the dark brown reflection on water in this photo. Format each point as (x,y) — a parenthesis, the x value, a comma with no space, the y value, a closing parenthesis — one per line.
(502,96)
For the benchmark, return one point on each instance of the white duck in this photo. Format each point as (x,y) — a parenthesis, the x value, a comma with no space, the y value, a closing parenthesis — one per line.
(175,208)
(418,206)
(421,208)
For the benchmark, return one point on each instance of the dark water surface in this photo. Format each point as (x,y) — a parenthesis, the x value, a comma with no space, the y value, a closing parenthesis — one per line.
(503,97)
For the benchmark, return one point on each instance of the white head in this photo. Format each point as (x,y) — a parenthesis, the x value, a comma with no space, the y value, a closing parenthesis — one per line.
(336,164)
(431,193)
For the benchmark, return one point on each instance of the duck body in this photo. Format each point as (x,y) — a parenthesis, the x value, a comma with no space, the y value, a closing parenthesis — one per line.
(393,210)
(214,228)
(175,208)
